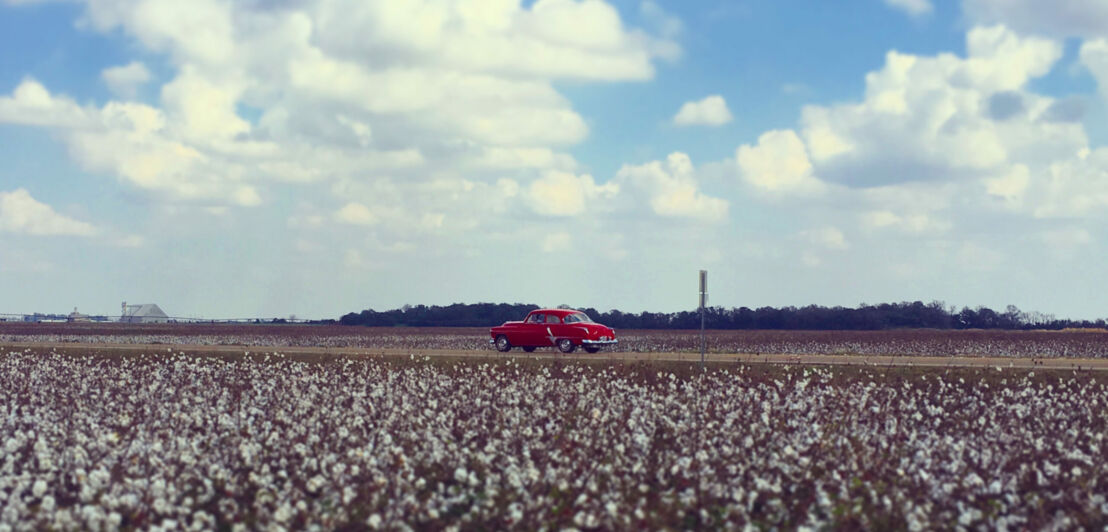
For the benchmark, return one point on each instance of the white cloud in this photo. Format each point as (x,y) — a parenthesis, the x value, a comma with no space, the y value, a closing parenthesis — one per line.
(201,110)
(670,188)
(557,242)
(668,25)
(566,194)
(917,209)
(710,111)
(521,157)
(914,8)
(21,213)
(915,223)
(200,31)
(370,89)
(1062,18)
(355,214)
(1011,185)
(968,121)
(125,80)
(551,39)
(778,164)
(128,241)
(826,237)
(930,118)
(133,142)
(31,104)
(1075,188)
(1094,56)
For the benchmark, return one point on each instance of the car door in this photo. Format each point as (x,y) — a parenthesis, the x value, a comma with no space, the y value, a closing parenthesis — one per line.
(533,331)
(555,329)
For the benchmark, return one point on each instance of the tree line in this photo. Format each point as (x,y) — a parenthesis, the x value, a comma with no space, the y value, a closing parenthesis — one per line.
(905,315)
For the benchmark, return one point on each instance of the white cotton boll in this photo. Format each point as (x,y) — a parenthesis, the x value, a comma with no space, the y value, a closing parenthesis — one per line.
(39,488)
(283,513)
(515,512)
(315,483)
(913,523)
(973,480)
(48,504)
(86,493)
(374,521)
(92,515)
(585,520)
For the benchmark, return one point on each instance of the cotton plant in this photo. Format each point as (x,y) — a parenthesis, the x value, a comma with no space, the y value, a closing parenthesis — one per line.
(166,440)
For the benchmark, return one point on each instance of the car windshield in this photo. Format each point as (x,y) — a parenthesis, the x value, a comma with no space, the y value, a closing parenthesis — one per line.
(577,317)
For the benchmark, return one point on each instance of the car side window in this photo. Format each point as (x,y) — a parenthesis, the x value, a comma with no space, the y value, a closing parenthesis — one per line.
(536,318)
(551,318)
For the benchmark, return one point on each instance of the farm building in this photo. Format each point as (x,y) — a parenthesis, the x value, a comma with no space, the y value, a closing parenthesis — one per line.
(77,316)
(144,313)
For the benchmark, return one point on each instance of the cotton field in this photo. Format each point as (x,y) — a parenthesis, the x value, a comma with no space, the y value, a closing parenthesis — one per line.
(170,441)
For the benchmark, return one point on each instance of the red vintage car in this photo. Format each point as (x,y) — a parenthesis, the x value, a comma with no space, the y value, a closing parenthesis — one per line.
(561,328)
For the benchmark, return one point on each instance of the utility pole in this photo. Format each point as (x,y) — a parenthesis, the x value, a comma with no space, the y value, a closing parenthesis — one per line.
(703,305)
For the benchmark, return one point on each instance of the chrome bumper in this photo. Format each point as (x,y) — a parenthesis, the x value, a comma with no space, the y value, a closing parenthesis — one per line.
(613,341)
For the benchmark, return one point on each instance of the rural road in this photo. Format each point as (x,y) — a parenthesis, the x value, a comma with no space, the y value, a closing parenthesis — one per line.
(619,356)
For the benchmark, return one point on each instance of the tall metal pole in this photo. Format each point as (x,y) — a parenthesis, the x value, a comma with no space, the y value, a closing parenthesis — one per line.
(703,304)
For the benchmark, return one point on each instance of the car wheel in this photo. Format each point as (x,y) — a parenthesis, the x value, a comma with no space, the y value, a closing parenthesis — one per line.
(565,345)
(502,344)
(529,349)
(592,349)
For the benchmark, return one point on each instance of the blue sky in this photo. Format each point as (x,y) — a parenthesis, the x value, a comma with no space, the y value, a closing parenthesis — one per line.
(244,159)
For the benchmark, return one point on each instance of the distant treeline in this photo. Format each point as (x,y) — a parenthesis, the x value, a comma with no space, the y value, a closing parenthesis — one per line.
(934,315)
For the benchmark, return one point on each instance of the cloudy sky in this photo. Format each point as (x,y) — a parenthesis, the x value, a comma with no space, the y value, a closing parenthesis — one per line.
(315,157)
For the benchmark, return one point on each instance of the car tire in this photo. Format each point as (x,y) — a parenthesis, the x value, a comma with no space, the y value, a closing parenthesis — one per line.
(566,346)
(592,349)
(529,349)
(502,344)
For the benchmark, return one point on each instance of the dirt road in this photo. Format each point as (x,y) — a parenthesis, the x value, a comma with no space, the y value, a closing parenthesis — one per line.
(713,358)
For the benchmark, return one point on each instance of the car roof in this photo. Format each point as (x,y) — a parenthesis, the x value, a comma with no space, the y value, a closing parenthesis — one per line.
(556,311)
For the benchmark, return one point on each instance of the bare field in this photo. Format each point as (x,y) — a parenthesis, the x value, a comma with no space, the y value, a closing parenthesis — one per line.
(917,343)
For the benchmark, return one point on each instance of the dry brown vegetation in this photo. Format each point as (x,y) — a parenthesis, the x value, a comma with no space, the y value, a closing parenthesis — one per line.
(917,342)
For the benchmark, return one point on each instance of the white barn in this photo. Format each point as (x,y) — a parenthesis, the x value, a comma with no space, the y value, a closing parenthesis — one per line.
(144,313)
